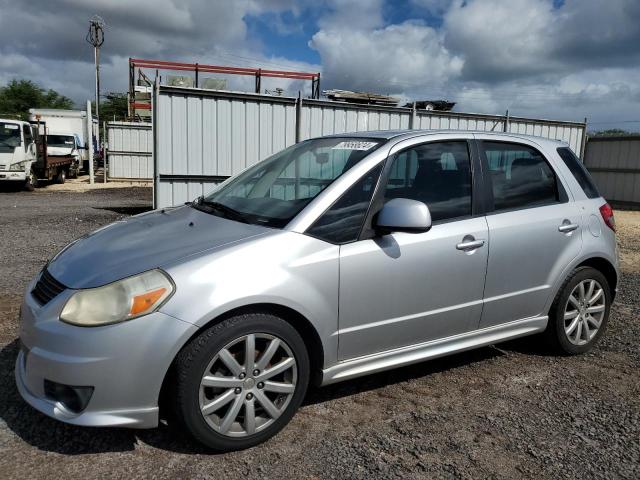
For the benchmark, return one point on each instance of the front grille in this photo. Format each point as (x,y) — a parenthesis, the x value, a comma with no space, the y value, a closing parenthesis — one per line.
(47,288)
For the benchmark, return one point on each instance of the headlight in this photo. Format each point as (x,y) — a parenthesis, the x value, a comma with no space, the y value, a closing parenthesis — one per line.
(19,165)
(119,301)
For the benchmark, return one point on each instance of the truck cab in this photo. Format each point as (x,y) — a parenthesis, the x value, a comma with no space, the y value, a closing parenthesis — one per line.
(18,153)
(65,144)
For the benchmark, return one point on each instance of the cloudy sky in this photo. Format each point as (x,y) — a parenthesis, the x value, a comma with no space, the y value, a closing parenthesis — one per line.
(545,58)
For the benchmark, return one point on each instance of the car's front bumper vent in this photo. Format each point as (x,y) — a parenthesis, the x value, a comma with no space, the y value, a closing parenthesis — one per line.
(47,288)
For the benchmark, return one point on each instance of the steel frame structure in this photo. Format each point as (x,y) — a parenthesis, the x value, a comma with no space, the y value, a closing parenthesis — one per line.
(198,68)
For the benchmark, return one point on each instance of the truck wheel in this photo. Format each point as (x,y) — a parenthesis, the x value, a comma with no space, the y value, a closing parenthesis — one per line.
(32,181)
(61,177)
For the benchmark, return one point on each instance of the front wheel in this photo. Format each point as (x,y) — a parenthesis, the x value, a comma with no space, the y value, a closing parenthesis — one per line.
(580,312)
(241,381)
(32,181)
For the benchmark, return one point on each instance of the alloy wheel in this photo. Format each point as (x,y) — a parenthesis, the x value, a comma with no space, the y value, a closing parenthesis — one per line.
(248,384)
(584,312)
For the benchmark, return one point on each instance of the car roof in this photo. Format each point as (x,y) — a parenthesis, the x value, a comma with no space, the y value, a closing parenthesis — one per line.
(407,133)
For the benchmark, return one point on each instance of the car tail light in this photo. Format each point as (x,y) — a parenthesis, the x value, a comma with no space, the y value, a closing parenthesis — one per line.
(607,215)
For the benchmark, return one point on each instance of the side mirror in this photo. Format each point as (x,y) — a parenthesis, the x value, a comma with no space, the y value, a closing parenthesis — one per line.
(403,215)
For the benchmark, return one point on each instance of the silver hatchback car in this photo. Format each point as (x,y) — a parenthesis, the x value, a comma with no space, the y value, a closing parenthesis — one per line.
(335,258)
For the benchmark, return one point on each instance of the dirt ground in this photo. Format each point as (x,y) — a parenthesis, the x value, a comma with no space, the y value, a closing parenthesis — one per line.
(510,411)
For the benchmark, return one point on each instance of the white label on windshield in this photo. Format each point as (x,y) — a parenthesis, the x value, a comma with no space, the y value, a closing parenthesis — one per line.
(11,126)
(355,145)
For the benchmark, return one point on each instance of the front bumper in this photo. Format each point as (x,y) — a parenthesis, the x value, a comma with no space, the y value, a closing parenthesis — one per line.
(125,363)
(13,176)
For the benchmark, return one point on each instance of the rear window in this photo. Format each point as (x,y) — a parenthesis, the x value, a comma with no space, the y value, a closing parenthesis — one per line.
(580,173)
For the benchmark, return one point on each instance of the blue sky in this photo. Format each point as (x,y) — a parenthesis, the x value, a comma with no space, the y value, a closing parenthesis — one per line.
(544,58)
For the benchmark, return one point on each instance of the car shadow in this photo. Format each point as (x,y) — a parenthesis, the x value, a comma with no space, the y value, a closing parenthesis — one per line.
(135,210)
(50,435)
(399,375)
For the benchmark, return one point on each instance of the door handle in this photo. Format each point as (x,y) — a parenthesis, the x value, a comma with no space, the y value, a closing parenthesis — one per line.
(568,227)
(469,244)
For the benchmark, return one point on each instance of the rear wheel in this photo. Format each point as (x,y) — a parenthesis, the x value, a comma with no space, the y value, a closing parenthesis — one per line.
(580,312)
(241,381)
(61,176)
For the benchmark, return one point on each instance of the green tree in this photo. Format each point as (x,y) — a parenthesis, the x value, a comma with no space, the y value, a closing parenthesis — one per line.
(114,107)
(18,96)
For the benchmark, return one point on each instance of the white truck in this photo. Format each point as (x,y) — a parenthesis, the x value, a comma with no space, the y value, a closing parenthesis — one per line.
(25,156)
(71,123)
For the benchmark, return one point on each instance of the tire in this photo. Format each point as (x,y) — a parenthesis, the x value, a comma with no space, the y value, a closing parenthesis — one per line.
(61,176)
(228,427)
(581,339)
(32,181)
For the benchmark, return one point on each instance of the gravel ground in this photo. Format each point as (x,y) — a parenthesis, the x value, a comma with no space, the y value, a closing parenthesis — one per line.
(514,410)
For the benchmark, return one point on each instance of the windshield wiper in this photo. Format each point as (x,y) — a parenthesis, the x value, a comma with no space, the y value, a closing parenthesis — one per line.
(228,212)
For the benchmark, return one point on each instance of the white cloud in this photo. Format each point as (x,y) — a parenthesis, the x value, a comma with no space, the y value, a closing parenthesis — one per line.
(393,59)
(57,55)
(499,39)
(534,57)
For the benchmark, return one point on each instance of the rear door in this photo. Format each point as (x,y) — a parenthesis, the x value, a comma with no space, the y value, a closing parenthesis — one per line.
(534,229)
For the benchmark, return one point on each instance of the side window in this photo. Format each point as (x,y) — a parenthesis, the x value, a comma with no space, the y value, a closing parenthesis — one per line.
(28,138)
(438,174)
(579,171)
(520,176)
(343,221)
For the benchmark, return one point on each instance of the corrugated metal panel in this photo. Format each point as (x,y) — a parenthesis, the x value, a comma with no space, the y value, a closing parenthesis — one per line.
(572,133)
(129,152)
(614,164)
(177,192)
(207,135)
(320,118)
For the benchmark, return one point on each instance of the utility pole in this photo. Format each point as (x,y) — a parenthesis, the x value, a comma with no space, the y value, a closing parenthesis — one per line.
(95,37)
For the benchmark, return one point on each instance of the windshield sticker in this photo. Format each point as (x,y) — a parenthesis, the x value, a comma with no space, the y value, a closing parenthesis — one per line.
(11,126)
(355,145)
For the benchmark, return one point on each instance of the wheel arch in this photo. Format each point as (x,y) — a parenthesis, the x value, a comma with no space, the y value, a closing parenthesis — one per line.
(606,268)
(298,321)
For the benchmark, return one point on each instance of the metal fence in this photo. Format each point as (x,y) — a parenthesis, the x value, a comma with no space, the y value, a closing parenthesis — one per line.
(129,151)
(614,163)
(201,137)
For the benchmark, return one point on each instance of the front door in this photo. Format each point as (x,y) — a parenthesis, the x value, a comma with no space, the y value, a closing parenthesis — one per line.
(403,289)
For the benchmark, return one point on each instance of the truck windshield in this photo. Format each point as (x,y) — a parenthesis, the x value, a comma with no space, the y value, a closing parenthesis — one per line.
(9,137)
(274,191)
(60,141)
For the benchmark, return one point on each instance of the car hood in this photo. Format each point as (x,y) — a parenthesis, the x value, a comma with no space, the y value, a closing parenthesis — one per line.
(141,243)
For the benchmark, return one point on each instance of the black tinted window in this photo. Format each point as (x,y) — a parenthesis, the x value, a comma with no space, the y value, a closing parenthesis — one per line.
(438,174)
(580,173)
(343,221)
(520,176)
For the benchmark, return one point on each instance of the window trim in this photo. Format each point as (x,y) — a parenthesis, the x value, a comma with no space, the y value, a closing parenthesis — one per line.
(379,166)
(580,165)
(561,189)
(377,201)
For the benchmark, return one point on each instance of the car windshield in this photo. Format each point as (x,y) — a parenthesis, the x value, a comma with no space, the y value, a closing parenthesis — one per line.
(274,191)
(65,141)
(9,137)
